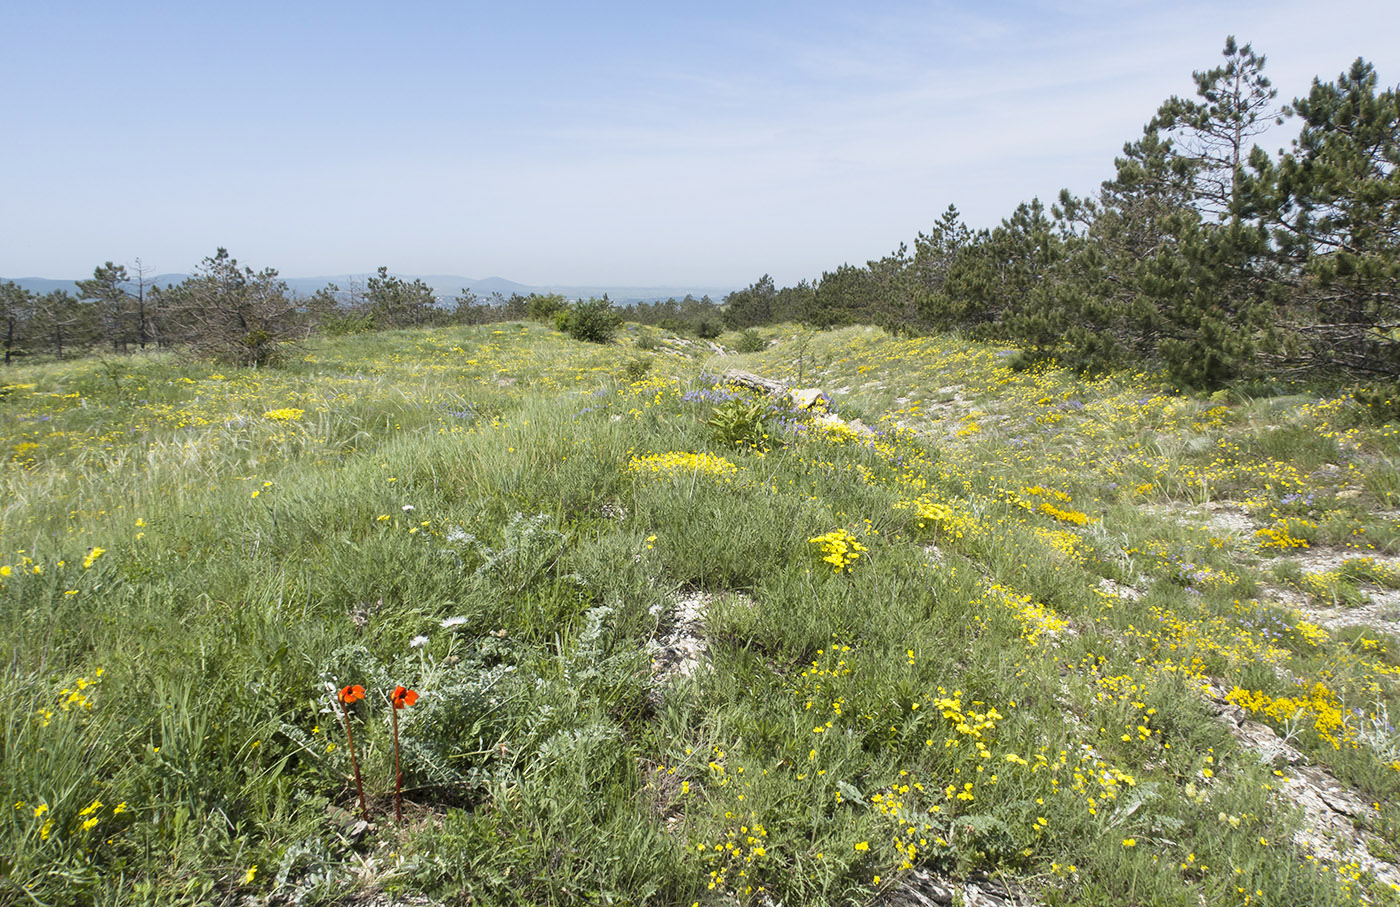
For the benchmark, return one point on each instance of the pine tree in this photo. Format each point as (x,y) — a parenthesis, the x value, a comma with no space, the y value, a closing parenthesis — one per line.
(64,323)
(750,306)
(1340,193)
(993,278)
(234,315)
(146,324)
(107,290)
(842,297)
(893,299)
(1213,134)
(1183,234)
(935,250)
(16,315)
(394,302)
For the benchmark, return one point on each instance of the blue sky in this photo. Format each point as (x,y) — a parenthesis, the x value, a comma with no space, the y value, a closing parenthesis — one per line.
(609,143)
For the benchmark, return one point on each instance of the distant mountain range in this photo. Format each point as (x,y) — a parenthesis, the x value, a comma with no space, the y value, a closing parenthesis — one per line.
(445,287)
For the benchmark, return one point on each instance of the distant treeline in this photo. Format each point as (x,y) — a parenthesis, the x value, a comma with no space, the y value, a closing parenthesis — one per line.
(1204,255)
(234,314)
(223,311)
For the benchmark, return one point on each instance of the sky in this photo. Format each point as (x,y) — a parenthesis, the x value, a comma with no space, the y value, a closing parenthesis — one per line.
(603,143)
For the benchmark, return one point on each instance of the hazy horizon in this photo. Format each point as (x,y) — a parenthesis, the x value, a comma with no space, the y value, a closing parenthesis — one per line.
(623,145)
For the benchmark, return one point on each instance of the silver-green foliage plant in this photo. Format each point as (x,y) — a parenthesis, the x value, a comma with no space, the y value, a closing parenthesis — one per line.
(740,421)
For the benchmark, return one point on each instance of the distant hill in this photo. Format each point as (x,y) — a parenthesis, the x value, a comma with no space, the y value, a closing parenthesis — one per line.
(445,287)
(627,295)
(43,285)
(450,286)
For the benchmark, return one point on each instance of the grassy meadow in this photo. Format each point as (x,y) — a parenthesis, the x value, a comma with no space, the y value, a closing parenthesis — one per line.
(675,643)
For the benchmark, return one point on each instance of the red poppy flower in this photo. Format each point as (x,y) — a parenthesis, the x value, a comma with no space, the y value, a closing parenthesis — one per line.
(403,696)
(352,694)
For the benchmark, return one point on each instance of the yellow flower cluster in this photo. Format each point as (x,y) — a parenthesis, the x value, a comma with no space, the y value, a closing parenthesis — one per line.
(1370,569)
(735,856)
(1063,541)
(1064,516)
(1281,534)
(839,548)
(1042,491)
(1311,633)
(73,698)
(839,432)
(941,516)
(647,394)
(1320,704)
(1036,619)
(286,414)
(675,462)
(1351,571)
(968,722)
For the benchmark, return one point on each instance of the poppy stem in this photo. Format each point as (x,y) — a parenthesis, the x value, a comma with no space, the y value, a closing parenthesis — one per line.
(398,774)
(355,763)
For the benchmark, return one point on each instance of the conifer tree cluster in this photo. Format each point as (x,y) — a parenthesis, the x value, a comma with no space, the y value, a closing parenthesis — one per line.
(1204,254)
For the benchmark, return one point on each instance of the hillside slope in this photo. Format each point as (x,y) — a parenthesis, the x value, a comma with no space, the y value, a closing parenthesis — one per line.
(1010,633)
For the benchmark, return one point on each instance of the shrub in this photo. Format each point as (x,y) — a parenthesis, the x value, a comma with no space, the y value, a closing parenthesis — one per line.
(544,307)
(1381,400)
(648,338)
(594,320)
(339,324)
(750,342)
(740,421)
(708,330)
(637,368)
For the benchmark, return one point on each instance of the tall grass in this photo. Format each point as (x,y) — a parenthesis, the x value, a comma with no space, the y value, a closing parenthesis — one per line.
(471,513)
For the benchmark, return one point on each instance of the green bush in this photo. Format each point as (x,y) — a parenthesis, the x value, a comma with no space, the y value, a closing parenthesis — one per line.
(593,320)
(544,307)
(340,324)
(740,422)
(1381,400)
(648,338)
(708,330)
(637,368)
(750,342)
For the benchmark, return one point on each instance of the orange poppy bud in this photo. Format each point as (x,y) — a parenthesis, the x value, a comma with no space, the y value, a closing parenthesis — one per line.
(352,694)
(404,696)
